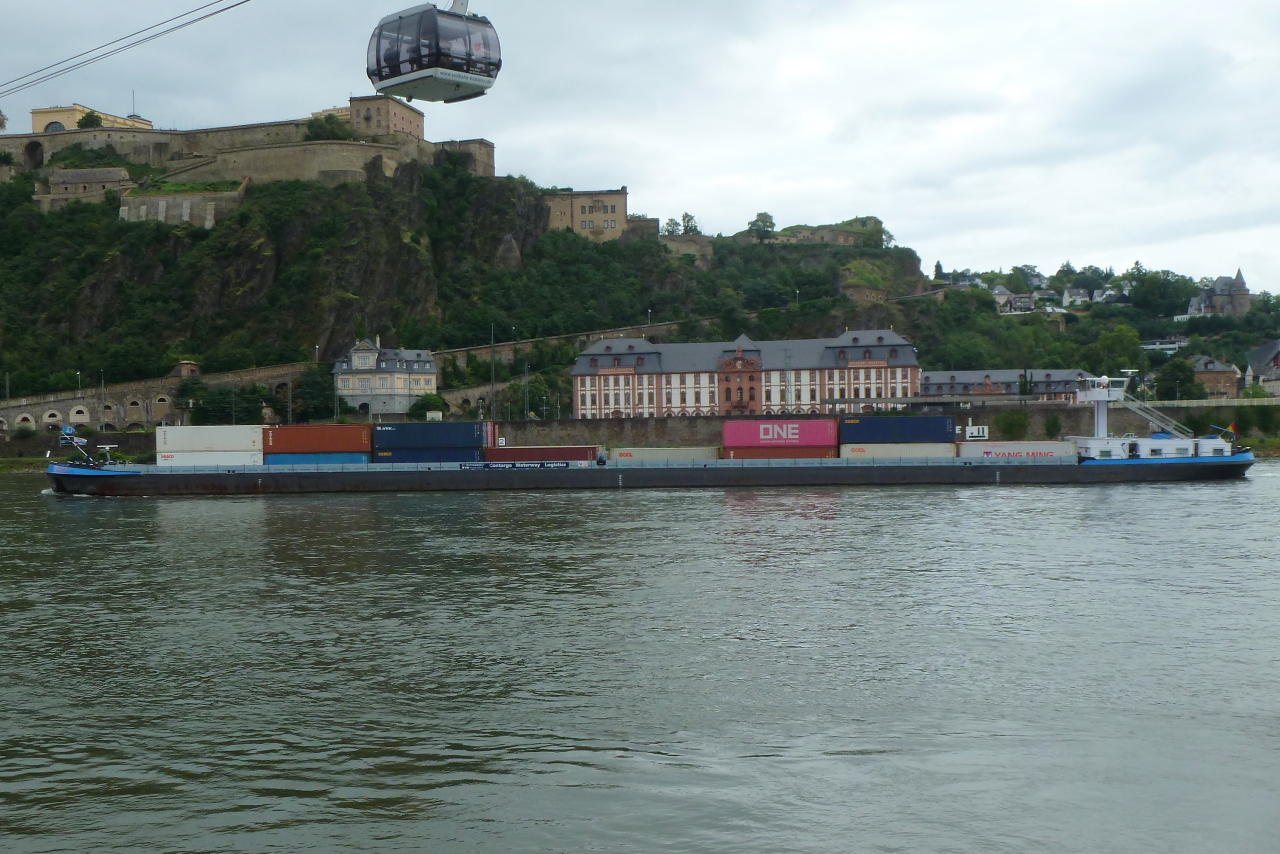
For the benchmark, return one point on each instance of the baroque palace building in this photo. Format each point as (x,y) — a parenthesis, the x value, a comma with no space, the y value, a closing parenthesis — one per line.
(633,378)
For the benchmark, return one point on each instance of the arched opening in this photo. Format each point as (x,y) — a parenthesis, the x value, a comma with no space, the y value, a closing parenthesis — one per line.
(33,156)
(364,409)
(54,127)
(135,427)
(4,426)
(282,390)
(25,420)
(52,417)
(79,415)
(108,427)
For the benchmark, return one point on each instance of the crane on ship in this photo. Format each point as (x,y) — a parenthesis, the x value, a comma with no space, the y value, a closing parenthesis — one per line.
(434,55)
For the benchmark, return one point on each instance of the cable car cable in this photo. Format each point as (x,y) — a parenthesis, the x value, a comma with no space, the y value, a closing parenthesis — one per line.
(109,44)
(13,90)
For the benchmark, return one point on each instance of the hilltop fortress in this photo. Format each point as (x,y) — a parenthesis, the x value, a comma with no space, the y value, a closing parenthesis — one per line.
(273,151)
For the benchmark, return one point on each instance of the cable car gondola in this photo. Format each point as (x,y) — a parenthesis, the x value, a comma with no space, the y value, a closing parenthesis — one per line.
(434,55)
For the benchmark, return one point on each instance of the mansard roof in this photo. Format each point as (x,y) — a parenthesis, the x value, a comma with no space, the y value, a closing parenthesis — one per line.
(806,354)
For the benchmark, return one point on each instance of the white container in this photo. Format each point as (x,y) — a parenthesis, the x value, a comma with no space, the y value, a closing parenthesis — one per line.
(227,459)
(926,451)
(660,454)
(1017,451)
(179,440)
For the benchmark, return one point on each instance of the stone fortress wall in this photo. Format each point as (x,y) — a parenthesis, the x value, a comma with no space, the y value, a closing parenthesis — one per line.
(136,405)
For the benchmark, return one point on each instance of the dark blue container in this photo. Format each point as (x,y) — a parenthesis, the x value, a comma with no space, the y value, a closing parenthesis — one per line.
(315,459)
(432,434)
(433,455)
(897,429)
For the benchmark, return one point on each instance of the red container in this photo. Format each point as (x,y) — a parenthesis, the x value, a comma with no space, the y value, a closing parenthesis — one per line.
(318,439)
(571,453)
(780,453)
(779,433)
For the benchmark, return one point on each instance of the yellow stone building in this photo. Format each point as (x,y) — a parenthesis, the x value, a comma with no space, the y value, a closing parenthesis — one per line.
(55,119)
(596,214)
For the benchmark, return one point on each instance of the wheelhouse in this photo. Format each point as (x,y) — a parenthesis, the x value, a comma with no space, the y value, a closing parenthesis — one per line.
(432,55)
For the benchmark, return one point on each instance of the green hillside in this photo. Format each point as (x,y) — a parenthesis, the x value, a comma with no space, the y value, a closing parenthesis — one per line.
(436,257)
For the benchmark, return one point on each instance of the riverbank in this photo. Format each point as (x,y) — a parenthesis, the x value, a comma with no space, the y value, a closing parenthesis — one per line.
(22,465)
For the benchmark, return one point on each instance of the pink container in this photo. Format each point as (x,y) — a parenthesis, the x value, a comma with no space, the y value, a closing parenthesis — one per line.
(779,433)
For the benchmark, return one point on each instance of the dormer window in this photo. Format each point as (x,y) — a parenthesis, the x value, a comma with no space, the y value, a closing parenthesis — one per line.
(893,354)
(617,362)
(843,355)
(866,355)
(639,361)
(595,363)
(608,349)
(382,364)
(631,348)
(880,340)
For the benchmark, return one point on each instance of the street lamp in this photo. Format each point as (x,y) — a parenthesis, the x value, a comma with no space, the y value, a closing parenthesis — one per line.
(78,387)
(651,317)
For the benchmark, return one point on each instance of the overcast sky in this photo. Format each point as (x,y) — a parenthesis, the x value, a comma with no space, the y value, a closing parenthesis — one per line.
(985,133)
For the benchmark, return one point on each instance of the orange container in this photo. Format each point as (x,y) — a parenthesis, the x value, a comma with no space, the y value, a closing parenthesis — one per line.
(780,453)
(318,439)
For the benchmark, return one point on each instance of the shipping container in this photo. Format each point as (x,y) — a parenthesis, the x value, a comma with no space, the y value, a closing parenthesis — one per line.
(318,439)
(178,440)
(771,433)
(659,454)
(1017,451)
(780,453)
(567,453)
(908,451)
(897,430)
(315,459)
(429,455)
(210,459)
(419,436)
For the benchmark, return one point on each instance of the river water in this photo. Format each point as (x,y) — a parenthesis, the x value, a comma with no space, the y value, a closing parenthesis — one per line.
(820,670)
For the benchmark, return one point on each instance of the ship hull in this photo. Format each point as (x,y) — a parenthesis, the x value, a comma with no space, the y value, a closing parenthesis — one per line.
(70,480)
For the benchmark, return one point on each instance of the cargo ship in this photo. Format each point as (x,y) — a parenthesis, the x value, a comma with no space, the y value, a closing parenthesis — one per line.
(853,450)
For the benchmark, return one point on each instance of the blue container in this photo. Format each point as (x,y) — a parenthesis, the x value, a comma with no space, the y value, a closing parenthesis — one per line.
(315,459)
(431,435)
(434,455)
(897,429)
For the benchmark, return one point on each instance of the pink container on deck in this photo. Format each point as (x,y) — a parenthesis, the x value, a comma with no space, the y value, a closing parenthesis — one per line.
(779,433)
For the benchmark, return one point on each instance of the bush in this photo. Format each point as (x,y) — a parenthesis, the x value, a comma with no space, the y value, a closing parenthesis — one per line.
(89,120)
(6,158)
(1013,425)
(1053,427)
(427,403)
(26,431)
(328,127)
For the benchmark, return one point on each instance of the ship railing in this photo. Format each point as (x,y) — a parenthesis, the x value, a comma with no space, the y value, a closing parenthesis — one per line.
(881,462)
(1156,417)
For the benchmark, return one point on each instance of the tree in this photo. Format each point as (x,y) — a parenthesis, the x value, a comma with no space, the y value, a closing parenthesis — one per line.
(1177,381)
(690,224)
(1255,392)
(1013,424)
(671,228)
(938,274)
(762,227)
(1114,351)
(1052,427)
(4,121)
(89,120)
(427,403)
(328,126)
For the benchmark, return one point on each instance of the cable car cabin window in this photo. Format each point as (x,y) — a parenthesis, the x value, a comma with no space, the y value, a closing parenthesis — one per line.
(454,43)
(486,55)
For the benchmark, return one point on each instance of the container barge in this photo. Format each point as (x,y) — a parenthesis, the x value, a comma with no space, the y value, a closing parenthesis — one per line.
(465,457)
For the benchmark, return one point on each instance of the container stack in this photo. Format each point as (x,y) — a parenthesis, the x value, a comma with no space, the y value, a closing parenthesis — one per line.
(323,445)
(553,454)
(768,439)
(897,437)
(432,442)
(214,447)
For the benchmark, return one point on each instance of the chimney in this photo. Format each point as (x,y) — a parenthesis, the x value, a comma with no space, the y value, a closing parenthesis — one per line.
(377,341)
